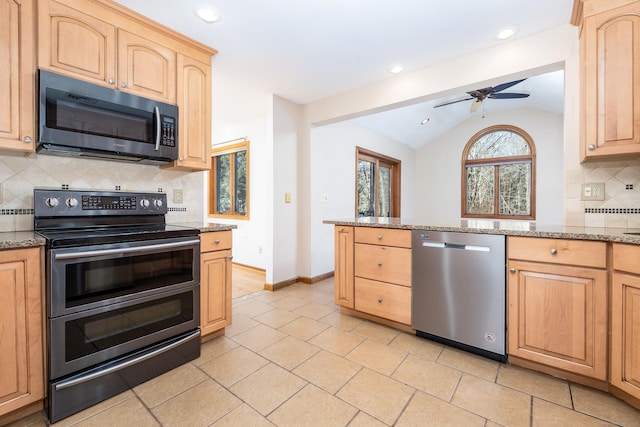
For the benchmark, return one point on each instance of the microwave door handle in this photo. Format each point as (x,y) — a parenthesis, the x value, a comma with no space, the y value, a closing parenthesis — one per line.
(156,111)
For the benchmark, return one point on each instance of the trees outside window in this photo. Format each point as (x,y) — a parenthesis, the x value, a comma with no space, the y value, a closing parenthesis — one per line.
(229,182)
(498,174)
(377,184)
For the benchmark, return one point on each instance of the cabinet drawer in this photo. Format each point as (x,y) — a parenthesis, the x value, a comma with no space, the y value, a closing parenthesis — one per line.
(392,302)
(625,258)
(215,241)
(558,251)
(386,264)
(383,236)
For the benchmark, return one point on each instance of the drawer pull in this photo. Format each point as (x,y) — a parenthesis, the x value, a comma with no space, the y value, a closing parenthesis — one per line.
(592,147)
(554,251)
(512,270)
(379,236)
(379,263)
(217,241)
(380,299)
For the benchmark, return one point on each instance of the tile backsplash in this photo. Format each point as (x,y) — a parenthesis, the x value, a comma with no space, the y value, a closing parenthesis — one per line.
(20,175)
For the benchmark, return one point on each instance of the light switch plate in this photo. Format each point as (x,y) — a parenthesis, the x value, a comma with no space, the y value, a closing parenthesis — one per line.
(592,191)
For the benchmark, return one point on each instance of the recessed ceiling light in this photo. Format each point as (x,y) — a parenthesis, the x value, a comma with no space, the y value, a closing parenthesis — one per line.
(206,13)
(395,69)
(425,121)
(507,32)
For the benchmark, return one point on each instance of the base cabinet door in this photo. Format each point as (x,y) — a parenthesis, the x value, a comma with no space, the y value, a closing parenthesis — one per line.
(344,258)
(215,281)
(21,342)
(557,316)
(625,333)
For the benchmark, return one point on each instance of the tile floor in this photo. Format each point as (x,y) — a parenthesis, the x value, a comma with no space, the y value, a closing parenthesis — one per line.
(291,359)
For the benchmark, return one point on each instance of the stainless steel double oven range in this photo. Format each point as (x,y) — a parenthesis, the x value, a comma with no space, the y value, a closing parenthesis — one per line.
(123,293)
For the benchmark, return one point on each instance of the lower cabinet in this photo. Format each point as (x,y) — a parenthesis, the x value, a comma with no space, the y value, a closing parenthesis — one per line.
(21,329)
(625,320)
(557,308)
(215,281)
(343,274)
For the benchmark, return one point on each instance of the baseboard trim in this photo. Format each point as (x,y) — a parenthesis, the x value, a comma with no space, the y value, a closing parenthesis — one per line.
(249,267)
(312,280)
(306,280)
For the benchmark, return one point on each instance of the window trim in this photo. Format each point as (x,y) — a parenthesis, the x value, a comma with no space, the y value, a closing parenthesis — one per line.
(228,149)
(496,162)
(395,166)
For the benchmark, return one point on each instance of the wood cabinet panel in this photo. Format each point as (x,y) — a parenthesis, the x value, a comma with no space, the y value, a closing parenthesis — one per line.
(626,258)
(215,291)
(17,75)
(382,263)
(344,259)
(384,300)
(558,251)
(215,241)
(557,316)
(383,236)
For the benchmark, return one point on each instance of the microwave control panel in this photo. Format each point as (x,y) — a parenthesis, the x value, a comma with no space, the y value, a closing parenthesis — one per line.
(169,133)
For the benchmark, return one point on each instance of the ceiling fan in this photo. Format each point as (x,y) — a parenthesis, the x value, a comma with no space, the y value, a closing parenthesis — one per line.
(494,92)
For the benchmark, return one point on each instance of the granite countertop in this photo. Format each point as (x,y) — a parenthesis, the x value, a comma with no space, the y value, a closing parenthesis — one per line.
(507,228)
(20,239)
(206,227)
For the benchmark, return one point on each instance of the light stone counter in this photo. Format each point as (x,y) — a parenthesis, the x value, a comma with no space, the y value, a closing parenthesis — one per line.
(20,239)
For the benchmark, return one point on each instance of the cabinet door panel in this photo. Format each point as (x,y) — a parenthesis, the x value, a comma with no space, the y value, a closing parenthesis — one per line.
(344,280)
(625,333)
(215,291)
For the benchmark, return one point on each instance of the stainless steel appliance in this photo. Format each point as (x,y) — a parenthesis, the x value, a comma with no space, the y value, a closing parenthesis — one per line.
(123,293)
(81,119)
(458,290)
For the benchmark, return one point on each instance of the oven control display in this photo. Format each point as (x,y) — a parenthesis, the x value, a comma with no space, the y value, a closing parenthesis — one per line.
(109,202)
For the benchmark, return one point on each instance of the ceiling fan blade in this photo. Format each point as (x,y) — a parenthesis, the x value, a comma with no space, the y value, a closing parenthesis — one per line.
(475,105)
(451,102)
(508,95)
(504,86)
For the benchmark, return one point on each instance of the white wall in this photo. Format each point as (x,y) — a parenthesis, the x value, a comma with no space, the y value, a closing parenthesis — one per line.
(440,171)
(333,173)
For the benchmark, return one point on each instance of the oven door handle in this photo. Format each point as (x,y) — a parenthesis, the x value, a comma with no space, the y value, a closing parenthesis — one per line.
(87,254)
(84,378)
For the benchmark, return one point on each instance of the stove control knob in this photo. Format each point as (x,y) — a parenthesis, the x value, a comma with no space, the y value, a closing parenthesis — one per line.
(157,203)
(144,203)
(72,202)
(51,202)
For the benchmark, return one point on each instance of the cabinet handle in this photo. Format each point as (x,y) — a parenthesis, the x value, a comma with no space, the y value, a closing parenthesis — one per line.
(217,242)
(592,147)
(379,299)
(379,236)
(28,139)
(123,84)
(512,270)
(111,81)
(181,159)
(379,263)
(554,251)
(230,256)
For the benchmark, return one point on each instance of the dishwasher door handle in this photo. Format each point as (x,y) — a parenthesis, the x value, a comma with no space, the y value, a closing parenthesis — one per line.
(444,245)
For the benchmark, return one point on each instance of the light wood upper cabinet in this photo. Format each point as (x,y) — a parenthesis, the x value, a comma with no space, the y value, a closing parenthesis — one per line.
(17,81)
(215,281)
(610,55)
(21,337)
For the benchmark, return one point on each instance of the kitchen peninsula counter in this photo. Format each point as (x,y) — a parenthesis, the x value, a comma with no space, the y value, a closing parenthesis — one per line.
(507,228)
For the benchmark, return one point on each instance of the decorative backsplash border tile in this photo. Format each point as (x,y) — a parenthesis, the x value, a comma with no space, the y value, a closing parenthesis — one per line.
(16,211)
(612,210)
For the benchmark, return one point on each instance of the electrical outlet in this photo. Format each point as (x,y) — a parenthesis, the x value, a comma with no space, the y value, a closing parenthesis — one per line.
(177,196)
(592,191)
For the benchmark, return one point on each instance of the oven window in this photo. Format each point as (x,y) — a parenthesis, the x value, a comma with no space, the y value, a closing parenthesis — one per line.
(96,333)
(94,280)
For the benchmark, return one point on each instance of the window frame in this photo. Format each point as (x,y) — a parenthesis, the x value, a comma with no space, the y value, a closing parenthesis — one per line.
(396,167)
(229,149)
(496,162)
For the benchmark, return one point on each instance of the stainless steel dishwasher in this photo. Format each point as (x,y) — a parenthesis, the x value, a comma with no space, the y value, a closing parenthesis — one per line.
(458,290)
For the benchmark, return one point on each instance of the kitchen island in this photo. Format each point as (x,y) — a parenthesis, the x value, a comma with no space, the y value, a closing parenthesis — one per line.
(572,292)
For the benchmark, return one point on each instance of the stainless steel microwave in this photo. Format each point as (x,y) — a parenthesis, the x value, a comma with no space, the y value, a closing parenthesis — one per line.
(80,119)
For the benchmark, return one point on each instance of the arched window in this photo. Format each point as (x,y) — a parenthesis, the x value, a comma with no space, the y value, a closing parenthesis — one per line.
(498,174)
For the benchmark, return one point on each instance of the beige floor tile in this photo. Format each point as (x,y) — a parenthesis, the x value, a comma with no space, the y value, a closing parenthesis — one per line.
(239,324)
(547,414)
(544,386)
(201,405)
(376,356)
(362,419)
(214,348)
(125,414)
(336,341)
(377,395)
(252,308)
(326,298)
(313,406)
(425,411)
(327,371)
(289,352)
(243,415)
(341,321)
(170,384)
(493,401)
(290,302)
(418,346)
(603,405)
(268,388)
(95,409)
(430,377)
(259,337)
(304,328)
(277,317)
(39,419)
(376,332)
(233,366)
(270,296)
(315,311)
(470,363)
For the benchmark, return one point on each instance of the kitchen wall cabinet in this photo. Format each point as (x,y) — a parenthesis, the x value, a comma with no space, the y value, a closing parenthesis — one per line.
(625,323)
(343,274)
(17,75)
(21,329)
(557,304)
(610,82)
(215,281)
